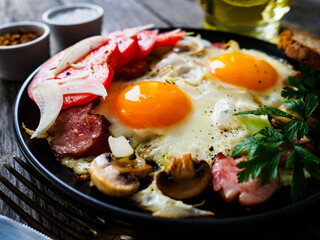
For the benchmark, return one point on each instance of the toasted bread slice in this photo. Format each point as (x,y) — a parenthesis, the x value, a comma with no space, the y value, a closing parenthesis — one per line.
(301,46)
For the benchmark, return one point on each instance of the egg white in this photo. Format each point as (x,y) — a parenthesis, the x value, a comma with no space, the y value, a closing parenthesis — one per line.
(211,126)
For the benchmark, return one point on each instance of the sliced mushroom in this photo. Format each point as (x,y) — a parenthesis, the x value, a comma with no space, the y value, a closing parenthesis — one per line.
(184,178)
(118,178)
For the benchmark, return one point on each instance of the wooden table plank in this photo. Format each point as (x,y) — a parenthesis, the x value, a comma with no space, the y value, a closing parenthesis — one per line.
(187,13)
(304,14)
(16,10)
(122,14)
(26,10)
(127,14)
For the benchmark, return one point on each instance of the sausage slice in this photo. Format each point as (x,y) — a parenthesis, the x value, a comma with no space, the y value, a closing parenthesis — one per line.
(77,133)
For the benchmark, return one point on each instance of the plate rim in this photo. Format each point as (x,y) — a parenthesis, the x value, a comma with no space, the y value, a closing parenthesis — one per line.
(128,214)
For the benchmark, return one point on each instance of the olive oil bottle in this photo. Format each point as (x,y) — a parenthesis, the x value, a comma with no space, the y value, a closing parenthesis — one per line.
(258,18)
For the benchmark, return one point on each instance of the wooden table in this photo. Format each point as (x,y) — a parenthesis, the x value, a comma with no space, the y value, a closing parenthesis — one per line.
(120,14)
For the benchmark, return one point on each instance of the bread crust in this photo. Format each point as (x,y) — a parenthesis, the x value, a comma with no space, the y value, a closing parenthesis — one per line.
(301,46)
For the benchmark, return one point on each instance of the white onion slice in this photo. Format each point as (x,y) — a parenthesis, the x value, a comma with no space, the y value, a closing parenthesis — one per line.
(194,76)
(175,32)
(130,32)
(80,49)
(120,147)
(233,46)
(195,43)
(84,86)
(48,96)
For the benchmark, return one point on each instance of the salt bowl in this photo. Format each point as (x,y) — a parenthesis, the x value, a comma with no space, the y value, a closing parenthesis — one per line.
(71,23)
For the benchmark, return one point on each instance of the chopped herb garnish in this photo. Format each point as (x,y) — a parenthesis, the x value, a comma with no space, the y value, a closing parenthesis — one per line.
(310,83)
(263,149)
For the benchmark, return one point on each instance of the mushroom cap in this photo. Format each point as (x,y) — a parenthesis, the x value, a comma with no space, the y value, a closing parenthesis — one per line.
(184,178)
(117,178)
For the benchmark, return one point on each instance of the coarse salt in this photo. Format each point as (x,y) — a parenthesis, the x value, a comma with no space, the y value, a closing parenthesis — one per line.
(74,16)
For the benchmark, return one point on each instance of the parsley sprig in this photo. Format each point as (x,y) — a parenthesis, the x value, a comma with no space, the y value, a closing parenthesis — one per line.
(263,149)
(297,88)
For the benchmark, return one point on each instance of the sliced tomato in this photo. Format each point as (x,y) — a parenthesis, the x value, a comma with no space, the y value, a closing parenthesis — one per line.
(146,42)
(167,39)
(45,72)
(98,65)
(133,69)
(128,48)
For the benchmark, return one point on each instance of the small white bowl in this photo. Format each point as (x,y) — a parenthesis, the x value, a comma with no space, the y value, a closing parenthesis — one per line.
(73,22)
(18,61)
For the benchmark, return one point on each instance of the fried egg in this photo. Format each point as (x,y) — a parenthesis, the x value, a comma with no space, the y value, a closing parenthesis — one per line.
(187,101)
(186,104)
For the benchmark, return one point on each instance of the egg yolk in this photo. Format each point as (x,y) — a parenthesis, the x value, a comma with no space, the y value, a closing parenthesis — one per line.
(244,70)
(151,104)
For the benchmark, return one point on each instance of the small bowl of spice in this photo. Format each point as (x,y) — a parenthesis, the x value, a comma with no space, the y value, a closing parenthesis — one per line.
(23,47)
(71,23)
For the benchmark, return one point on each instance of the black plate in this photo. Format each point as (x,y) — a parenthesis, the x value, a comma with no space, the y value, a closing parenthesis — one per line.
(40,157)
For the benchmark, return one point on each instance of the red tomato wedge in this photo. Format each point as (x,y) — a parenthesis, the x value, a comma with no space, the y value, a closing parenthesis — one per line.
(128,48)
(146,42)
(167,39)
(97,64)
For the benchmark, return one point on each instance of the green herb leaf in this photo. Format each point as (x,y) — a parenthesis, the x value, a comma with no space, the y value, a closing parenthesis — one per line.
(310,161)
(296,105)
(248,145)
(268,110)
(299,182)
(311,104)
(300,88)
(271,133)
(295,88)
(264,159)
(271,168)
(309,77)
(294,128)
(250,169)
(303,107)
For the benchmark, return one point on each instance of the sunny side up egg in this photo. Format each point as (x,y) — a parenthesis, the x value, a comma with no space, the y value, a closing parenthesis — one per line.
(187,101)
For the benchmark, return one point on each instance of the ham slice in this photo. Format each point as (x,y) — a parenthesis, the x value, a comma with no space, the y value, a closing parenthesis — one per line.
(225,181)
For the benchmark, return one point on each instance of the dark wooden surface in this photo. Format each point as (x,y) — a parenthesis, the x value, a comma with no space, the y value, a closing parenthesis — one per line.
(120,14)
